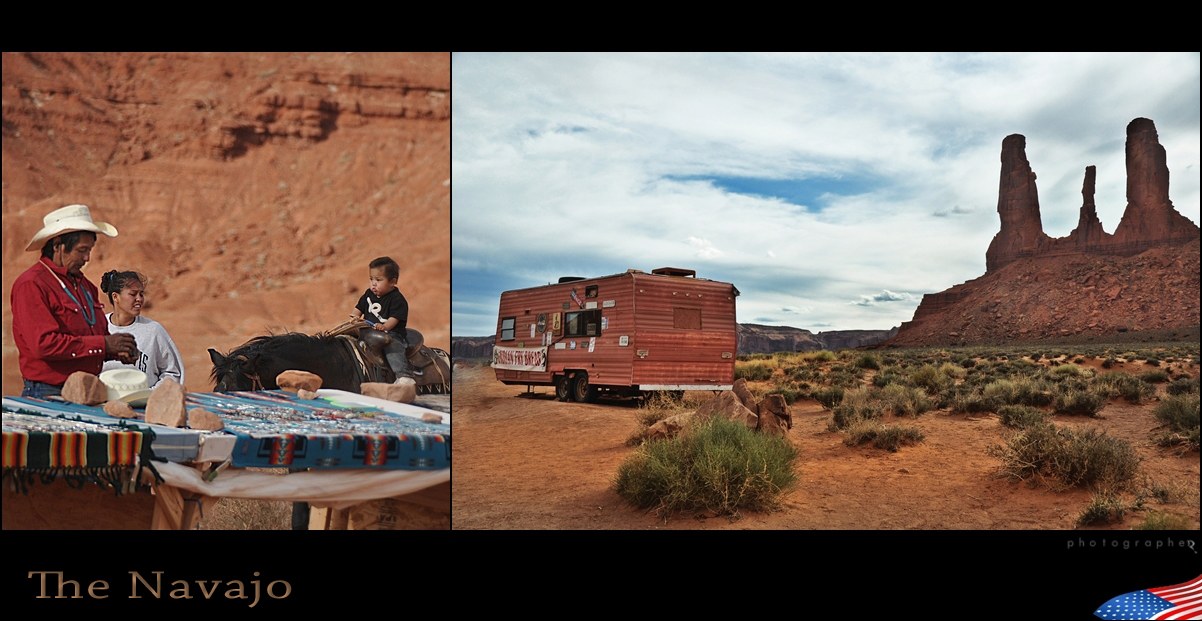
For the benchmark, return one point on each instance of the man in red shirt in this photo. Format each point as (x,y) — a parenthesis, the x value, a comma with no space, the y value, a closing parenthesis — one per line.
(58,320)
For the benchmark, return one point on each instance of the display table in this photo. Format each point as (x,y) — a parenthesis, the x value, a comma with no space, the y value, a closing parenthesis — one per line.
(376,462)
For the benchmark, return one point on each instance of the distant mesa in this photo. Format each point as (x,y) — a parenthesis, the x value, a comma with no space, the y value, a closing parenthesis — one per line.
(1144,276)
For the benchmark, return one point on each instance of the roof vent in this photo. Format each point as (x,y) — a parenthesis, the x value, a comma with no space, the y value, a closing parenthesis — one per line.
(674,271)
(563,279)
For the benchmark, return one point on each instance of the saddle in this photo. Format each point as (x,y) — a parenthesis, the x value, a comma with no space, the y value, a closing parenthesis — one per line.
(431,367)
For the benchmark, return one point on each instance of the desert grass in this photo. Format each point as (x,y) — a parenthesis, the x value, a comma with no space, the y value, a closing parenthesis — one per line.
(1162,520)
(1179,414)
(659,406)
(1105,508)
(1063,458)
(715,464)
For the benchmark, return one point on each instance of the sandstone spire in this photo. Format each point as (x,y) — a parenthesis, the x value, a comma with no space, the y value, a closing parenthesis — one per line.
(1089,232)
(1018,206)
(1150,217)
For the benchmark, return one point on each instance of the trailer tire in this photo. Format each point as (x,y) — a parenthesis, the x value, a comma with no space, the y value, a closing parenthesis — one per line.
(563,388)
(581,390)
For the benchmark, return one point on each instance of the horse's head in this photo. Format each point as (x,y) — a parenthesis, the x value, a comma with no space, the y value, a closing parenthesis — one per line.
(233,372)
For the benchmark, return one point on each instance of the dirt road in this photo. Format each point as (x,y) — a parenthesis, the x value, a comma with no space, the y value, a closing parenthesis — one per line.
(531,462)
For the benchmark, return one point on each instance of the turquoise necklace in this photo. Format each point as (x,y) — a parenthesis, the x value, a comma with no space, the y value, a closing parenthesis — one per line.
(89,317)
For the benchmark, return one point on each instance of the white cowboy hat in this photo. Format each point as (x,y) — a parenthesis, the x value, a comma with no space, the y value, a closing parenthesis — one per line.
(68,219)
(128,385)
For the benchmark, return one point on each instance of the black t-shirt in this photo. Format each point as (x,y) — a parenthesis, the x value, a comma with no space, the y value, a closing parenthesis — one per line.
(379,310)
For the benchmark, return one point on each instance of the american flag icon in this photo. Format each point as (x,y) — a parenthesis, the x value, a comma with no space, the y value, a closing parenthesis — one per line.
(1180,601)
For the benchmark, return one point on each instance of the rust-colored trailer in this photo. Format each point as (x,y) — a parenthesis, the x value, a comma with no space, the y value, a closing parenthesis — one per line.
(628,334)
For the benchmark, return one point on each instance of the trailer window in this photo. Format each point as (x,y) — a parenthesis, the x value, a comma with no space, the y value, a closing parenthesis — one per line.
(686,318)
(507,328)
(590,291)
(582,323)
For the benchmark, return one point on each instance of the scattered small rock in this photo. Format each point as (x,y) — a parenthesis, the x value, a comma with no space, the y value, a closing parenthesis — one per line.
(84,388)
(431,417)
(401,393)
(200,418)
(306,394)
(166,405)
(119,409)
(293,381)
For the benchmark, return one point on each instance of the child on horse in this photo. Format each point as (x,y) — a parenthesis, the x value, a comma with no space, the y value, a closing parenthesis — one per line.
(383,306)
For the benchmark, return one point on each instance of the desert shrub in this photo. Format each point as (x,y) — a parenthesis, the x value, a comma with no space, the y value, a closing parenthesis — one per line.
(887,377)
(1068,457)
(716,464)
(1179,412)
(1075,401)
(1162,520)
(867,361)
(904,400)
(1021,416)
(1115,383)
(1032,391)
(1102,509)
(1183,386)
(1158,376)
(888,438)
(1155,362)
(930,378)
(842,378)
(818,356)
(968,402)
(952,370)
(1036,356)
(1108,362)
(790,394)
(754,371)
(828,397)
(968,363)
(1071,370)
(999,393)
(857,405)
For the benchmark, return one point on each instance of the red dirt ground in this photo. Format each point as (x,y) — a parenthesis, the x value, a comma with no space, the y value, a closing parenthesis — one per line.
(531,462)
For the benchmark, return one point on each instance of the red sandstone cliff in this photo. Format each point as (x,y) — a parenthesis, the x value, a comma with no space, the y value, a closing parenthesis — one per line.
(1143,277)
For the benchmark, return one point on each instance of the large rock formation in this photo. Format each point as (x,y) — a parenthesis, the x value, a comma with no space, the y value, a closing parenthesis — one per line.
(1149,220)
(1018,205)
(1144,277)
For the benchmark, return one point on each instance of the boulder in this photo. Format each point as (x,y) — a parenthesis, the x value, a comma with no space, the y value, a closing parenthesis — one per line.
(774,406)
(119,409)
(744,395)
(431,417)
(200,418)
(668,427)
(729,406)
(293,381)
(86,389)
(401,393)
(166,405)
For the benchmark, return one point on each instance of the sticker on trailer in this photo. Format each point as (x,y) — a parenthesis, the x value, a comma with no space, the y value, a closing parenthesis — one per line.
(608,303)
(531,330)
(604,323)
(561,346)
(590,305)
(623,340)
(573,345)
(591,344)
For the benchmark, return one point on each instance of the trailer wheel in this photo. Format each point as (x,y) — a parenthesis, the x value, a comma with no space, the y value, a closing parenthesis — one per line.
(563,388)
(581,390)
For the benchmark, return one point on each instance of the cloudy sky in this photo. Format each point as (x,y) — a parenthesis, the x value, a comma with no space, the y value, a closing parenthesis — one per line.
(832,190)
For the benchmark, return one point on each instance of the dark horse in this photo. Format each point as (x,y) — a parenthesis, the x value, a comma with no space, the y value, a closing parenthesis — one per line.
(341,361)
(255,364)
